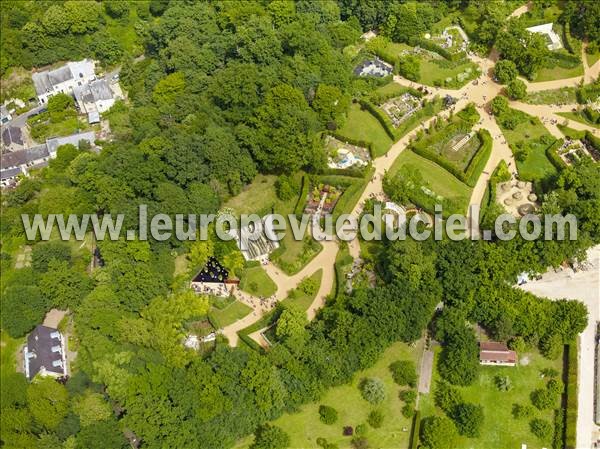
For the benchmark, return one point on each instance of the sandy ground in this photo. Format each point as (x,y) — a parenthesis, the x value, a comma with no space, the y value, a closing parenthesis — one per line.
(53,317)
(585,286)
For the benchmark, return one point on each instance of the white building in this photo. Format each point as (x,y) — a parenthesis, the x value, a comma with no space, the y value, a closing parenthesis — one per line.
(94,98)
(63,79)
(553,38)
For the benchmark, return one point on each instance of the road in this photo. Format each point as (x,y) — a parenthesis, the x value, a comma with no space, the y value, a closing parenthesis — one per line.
(585,286)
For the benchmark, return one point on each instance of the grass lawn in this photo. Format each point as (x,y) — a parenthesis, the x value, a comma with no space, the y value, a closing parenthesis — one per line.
(434,74)
(578,117)
(500,430)
(8,351)
(564,95)
(391,89)
(440,181)
(304,427)
(302,299)
(259,197)
(361,125)
(592,58)
(558,73)
(292,255)
(230,314)
(257,282)
(529,133)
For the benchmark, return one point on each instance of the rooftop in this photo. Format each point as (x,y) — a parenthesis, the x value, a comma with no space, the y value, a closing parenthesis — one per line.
(45,81)
(44,351)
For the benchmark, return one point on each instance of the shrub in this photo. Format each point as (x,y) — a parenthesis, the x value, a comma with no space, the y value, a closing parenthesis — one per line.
(502,383)
(551,346)
(468,419)
(375,419)
(517,344)
(543,399)
(541,428)
(408,411)
(360,443)
(361,430)
(446,396)
(522,411)
(505,71)
(438,432)
(322,442)
(373,390)
(408,396)
(516,89)
(284,188)
(499,105)
(270,437)
(404,372)
(327,415)
(348,431)
(549,372)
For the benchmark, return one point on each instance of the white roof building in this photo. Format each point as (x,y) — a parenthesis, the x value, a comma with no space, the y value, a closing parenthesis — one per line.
(546,29)
(63,79)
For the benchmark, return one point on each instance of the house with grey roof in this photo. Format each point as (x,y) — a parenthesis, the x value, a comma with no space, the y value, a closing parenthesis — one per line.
(45,353)
(63,79)
(74,139)
(94,98)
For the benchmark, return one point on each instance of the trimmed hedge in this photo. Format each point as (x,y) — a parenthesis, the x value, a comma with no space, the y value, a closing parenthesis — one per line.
(377,98)
(266,320)
(553,157)
(478,161)
(356,142)
(303,196)
(416,428)
(381,118)
(571,412)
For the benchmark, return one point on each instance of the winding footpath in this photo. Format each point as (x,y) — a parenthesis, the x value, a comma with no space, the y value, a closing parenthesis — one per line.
(480,93)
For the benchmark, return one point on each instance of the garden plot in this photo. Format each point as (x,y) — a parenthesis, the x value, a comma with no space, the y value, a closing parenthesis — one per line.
(457,144)
(453,39)
(401,108)
(574,150)
(322,200)
(344,155)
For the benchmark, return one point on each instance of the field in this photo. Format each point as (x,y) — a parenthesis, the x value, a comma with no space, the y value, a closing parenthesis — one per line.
(529,134)
(564,95)
(292,255)
(500,430)
(558,73)
(361,125)
(578,117)
(440,181)
(230,314)
(304,427)
(257,282)
(260,196)
(434,74)
(592,58)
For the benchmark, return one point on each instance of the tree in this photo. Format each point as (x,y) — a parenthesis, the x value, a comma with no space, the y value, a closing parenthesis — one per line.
(505,71)
(373,390)
(328,415)
(446,396)
(375,419)
(522,411)
(468,419)
(101,435)
(329,103)
(268,436)
(200,252)
(499,105)
(48,401)
(551,346)
(404,372)
(541,428)
(284,189)
(116,8)
(543,399)
(91,408)
(64,287)
(44,252)
(168,89)
(516,89)
(502,382)
(291,326)
(23,307)
(438,432)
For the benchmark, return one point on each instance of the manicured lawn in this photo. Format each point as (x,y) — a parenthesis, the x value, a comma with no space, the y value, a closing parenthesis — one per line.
(528,133)
(391,88)
(301,298)
(259,197)
(564,95)
(440,181)
(8,351)
(578,117)
(42,130)
(500,430)
(230,314)
(361,125)
(592,58)
(257,282)
(292,255)
(434,74)
(304,427)
(558,73)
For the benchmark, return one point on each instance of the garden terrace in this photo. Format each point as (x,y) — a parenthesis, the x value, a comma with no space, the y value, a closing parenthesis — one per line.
(345,155)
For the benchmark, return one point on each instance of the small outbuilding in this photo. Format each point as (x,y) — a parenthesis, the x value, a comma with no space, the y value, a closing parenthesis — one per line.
(496,353)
